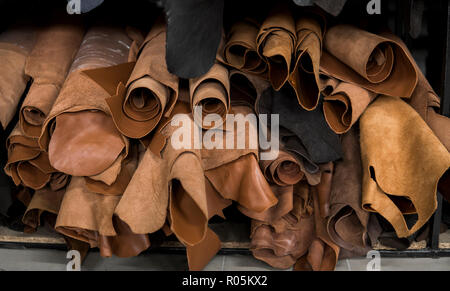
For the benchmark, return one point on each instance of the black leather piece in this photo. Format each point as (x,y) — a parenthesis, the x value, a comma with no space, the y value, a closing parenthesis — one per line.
(334,7)
(88,5)
(321,143)
(194,32)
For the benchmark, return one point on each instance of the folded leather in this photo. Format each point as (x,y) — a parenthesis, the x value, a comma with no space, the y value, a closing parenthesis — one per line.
(28,165)
(43,201)
(240,50)
(373,62)
(304,76)
(323,253)
(344,105)
(400,175)
(84,140)
(280,243)
(151,90)
(348,225)
(48,65)
(276,42)
(15,45)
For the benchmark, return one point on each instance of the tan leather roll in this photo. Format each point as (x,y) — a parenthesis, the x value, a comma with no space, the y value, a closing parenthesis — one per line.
(151,90)
(84,139)
(345,104)
(212,92)
(283,171)
(304,78)
(240,50)
(48,65)
(402,162)
(276,44)
(15,45)
(370,61)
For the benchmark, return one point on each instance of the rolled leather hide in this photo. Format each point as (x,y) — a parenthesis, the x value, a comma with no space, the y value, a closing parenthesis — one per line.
(344,104)
(151,90)
(16,44)
(79,133)
(400,175)
(48,65)
(240,50)
(276,44)
(372,62)
(211,93)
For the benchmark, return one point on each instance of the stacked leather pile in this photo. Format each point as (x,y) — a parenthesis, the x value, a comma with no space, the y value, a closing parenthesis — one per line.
(96,145)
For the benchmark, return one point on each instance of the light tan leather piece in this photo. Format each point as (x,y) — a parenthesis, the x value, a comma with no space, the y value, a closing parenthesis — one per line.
(212,92)
(85,215)
(15,45)
(345,104)
(402,163)
(44,200)
(304,77)
(349,222)
(151,90)
(240,50)
(370,61)
(245,88)
(146,199)
(323,253)
(27,164)
(276,42)
(48,65)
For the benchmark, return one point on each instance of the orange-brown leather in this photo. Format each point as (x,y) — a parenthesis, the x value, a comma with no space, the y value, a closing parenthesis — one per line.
(370,61)
(74,148)
(304,78)
(240,50)
(323,253)
(48,65)
(201,254)
(324,189)
(276,42)
(348,222)
(402,162)
(212,92)
(125,244)
(151,90)
(344,103)
(44,200)
(15,45)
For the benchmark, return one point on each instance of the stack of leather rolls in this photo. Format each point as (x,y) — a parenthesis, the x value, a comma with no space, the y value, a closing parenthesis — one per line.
(362,149)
